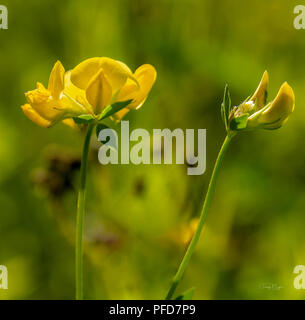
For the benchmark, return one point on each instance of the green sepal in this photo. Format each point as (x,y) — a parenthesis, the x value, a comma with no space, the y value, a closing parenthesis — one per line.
(240,122)
(83,119)
(114,108)
(187,295)
(226,106)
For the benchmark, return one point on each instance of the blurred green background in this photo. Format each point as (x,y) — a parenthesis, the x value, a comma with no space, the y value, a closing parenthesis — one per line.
(139,218)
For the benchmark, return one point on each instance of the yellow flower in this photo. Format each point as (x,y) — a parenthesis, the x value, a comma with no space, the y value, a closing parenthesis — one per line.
(99,82)
(87,90)
(45,107)
(255,113)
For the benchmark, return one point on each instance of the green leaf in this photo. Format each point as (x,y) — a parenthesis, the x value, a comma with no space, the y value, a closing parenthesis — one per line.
(226,106)
(83,119)
(240,122)
(187,295)
(114,108)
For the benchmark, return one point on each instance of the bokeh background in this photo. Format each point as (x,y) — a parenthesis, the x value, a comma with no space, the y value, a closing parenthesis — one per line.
(140,218)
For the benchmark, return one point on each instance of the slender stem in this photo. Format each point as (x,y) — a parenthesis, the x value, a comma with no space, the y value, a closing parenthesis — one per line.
(79,246)
(203,214)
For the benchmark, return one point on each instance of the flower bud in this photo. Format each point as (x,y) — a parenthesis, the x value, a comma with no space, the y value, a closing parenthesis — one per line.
(276,113)
(255,113)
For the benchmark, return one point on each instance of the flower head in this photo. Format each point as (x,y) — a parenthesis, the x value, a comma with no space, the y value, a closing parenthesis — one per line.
(95,89)
(255,112)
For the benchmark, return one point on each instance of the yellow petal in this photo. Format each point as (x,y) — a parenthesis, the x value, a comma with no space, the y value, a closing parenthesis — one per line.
(75,93)
(56,80)
(146,76)
(120,115)
(281,107)
(48,110)
(40,100)
(39,95)
(260,95)
(117,72)
(35,117)
(99,92)
(52,109)
(82,73)
(56,110)
(70,123)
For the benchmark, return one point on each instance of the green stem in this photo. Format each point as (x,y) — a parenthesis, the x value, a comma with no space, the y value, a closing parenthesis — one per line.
(79,245)
(206,204)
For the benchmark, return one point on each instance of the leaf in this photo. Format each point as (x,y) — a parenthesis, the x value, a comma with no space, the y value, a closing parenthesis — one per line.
(114,108)
(187,295)
(226,106)
(83,119)
(239,123)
